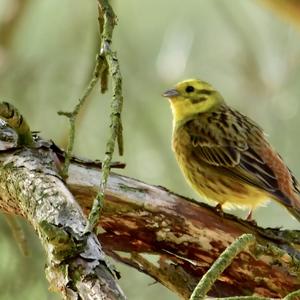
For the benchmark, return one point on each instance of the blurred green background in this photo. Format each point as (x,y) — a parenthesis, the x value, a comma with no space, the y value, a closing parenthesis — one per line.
(47,52)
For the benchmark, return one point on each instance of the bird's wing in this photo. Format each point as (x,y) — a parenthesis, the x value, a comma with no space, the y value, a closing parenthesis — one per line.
(230,141)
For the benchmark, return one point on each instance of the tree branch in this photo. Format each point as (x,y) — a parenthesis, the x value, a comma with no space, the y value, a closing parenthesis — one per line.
(186,237)
(138,219)
(223,261)
(76,264)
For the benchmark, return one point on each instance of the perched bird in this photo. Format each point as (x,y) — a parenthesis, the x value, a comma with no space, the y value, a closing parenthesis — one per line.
(223,154)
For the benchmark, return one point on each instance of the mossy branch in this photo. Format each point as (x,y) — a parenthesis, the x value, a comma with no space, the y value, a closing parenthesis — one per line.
(138,219)
(293,296)
(220,265)
(76,263)
(106,65)
(107,22)
(224,260)
(187,237)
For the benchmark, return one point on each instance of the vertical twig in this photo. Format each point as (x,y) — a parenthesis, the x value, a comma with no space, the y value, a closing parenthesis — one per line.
(107,21)
(107,64)
(73,115)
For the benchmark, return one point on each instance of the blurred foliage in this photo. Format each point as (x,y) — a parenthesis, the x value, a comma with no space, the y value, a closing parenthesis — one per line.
(47,52)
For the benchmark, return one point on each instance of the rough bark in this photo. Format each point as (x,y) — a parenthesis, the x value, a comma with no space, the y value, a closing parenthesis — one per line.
(76,264)
(186,237)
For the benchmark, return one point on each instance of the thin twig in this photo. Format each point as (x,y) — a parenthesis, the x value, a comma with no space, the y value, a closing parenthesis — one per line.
(73,115)
(293,296)
(106,64)
(107,21)
(223,261)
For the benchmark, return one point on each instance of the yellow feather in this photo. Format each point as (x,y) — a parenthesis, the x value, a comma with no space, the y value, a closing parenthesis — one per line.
(219,153)
(184,109)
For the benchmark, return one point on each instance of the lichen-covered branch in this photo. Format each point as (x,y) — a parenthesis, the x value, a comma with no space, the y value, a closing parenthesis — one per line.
(107,64)
(187,237)
(76,264)
(107,22)
(140,219)
(223,261)
(293,296)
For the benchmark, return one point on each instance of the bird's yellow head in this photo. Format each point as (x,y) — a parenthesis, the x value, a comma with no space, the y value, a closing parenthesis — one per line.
(192,96)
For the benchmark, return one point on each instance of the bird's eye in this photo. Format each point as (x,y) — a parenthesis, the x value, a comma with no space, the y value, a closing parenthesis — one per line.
(189,89)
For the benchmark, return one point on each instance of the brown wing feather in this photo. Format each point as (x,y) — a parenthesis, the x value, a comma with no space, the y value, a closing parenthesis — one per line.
(230,141)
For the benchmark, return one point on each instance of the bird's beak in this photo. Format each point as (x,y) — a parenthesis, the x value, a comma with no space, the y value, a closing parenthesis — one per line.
(170,93)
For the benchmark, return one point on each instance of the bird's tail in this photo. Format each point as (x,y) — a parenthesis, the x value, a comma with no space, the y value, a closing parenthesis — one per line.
(290,199)
(295,211)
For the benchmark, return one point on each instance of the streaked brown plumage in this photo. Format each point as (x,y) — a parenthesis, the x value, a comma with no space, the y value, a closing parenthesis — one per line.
(223,154)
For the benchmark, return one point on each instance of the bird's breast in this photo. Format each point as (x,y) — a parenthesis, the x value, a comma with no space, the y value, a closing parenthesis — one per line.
(209,181)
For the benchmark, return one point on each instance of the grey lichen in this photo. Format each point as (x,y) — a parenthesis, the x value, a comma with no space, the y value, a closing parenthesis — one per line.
(31,187)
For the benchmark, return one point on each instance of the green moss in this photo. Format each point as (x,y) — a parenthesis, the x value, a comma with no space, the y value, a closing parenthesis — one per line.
(62,241)
(127,188)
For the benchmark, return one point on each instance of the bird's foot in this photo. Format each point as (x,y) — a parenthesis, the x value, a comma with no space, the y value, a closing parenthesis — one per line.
(219,209)
(250,218)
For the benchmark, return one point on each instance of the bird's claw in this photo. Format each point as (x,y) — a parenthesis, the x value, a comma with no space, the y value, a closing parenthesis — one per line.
(219,209)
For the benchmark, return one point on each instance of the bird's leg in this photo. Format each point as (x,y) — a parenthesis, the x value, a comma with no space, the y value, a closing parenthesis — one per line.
(250,219)
(249,216)
(219,209)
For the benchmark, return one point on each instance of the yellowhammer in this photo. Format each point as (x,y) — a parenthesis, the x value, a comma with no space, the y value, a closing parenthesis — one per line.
(223,154)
